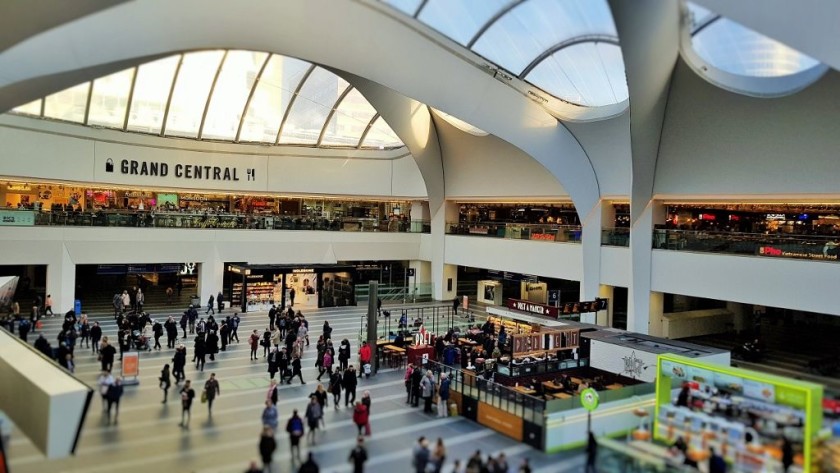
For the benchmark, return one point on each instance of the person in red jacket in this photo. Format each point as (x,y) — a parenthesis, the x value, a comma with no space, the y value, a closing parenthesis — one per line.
(364,358)
(360,416)
(254,340)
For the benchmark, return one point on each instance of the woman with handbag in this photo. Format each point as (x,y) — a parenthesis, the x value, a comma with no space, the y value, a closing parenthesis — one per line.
(165,382)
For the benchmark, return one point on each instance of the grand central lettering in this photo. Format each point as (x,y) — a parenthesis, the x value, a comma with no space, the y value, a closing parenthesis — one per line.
(182,171)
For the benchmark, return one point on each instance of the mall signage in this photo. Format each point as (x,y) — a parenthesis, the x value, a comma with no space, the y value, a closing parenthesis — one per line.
(567,309)
(133,165)
(532,307)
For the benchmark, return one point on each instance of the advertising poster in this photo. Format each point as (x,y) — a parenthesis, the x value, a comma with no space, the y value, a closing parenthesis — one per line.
(131,365)
(762,391)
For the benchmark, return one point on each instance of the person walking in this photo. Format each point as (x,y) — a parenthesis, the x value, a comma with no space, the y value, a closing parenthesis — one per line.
(321,395)
(104,381)
(271,395)
(443,396)
(427,391)
(178,363)
(295,429)
(313,416)
(326,364)
(171,329)
(165,382)
(344,355)
(270,416)
(296,371)
(48,306)
(183,322)
(267,447)
(140,300)
(254,342)
(366,403)
(199,352)
(365,355)
(292,297)
(272,314)
(95,337)
(358,456)
(272,363)
(157,330)
(234,326)
(212,344)
(309,466)
(84,332)
(106,355)
(220,301)
(439,456)
(211,390)
(266,342)
(349,384)
(113,396)
(409,369)
(210,307)
(187,396)
(420,455)
(335,388)
(360,416)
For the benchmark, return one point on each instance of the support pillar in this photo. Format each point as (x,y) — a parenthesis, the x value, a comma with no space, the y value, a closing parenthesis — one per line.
(210,278)
(61,283)
(639,308)
(420,215)
(444,276)
(421,284)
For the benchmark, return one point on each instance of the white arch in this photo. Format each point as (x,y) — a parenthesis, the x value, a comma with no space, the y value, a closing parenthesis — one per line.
(353,36)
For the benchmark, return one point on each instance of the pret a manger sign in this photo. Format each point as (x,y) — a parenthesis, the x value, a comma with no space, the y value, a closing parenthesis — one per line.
(526,306)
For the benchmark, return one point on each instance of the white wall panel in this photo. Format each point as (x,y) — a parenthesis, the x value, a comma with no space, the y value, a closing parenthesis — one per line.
(330,176)
(612,358)
(556,260)
(24,153)
(406,179)
(615,266)
(607,144)
(487,166)
(785,283)
(718,142)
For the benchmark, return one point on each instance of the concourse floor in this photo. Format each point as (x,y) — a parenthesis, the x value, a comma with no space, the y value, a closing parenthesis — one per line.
(148,437)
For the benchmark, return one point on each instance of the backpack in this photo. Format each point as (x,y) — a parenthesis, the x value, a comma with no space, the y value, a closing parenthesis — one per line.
(296,426)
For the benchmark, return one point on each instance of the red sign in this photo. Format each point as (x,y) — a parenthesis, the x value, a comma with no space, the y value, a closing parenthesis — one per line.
(131,364)
(543,236)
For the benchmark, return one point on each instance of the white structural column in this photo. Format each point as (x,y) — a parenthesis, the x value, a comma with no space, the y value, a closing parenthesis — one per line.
(420,284)
(210,278)
(591,243)
(419,215)
(61,281)
(649,33)
(442,273)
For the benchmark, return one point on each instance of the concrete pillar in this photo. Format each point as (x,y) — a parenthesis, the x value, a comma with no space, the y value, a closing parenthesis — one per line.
(591,248)
(419,215)
(210,278)
(656,303)
(442,273)
(641,238)
(421,283)
(61,283)
(605,318)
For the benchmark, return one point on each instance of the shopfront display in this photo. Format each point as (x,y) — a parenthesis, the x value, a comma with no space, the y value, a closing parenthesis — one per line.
(747,416)
(489,292)
(258,287)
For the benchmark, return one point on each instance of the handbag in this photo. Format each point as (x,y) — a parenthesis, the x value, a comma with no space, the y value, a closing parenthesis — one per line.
(203,396)
(367,368)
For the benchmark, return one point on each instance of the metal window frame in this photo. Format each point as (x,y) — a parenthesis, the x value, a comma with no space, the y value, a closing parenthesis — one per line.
(367,130)
(705,24)
(292,100)
(169,97)
(87,102)
(335,106)
(420,8)
(492,21)
(251,96)
(210,94)
(130,97)
(597,38)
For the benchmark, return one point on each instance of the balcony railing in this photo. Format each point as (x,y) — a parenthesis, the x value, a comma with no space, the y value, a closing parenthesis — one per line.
(615,236)
(149,219)
(813,247)
(518,231)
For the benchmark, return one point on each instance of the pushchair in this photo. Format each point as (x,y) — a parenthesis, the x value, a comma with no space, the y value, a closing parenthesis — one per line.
(140,342)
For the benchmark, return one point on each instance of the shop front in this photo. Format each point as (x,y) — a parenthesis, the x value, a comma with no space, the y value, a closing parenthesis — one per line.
(258,287)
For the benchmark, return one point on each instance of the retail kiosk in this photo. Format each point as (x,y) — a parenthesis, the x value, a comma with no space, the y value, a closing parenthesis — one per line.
(254,287)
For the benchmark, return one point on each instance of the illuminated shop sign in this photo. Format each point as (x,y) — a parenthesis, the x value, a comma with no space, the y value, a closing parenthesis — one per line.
(133,167)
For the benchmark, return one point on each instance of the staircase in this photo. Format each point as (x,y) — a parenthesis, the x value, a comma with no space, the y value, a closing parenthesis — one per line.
(101,301)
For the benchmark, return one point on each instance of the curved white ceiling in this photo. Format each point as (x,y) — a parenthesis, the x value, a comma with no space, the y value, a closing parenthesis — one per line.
(384,50)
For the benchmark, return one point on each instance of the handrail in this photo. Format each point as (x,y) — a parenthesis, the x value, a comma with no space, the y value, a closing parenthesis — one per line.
(518,231)
(212,220)
(813,247)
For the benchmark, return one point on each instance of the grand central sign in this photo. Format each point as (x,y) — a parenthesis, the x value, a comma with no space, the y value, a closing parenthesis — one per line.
(133,165)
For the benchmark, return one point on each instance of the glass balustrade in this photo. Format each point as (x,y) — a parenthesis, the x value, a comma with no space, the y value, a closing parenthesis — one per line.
(518,231)
(812,247)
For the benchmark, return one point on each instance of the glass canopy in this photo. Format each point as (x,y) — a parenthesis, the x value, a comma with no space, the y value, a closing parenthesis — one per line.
(568,48)
(238,96)
(733,48)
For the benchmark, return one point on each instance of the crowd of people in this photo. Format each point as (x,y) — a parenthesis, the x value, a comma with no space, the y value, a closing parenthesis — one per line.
(283,344)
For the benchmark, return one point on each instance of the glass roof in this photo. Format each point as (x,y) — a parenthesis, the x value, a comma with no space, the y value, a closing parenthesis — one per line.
(238,96)
(568,48)
(733,48)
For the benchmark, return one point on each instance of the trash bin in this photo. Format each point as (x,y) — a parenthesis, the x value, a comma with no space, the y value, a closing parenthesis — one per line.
(195,301)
